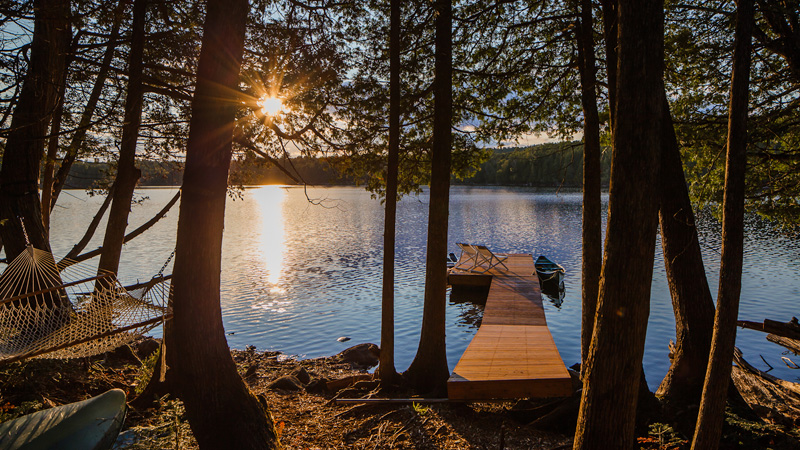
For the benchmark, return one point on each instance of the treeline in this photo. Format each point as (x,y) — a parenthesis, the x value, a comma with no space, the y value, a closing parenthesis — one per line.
(87,175)
(544,165)
(304,169)
(314,171)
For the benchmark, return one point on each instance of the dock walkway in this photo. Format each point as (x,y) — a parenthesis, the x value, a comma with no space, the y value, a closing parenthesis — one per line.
(513,354)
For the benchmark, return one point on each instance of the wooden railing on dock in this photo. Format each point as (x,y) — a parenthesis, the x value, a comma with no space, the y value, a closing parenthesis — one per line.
(513,354)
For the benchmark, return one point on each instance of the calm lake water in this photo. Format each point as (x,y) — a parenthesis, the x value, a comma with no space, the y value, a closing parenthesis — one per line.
(302,268)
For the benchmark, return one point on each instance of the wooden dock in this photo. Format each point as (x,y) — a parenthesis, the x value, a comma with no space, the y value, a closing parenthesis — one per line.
(513,354)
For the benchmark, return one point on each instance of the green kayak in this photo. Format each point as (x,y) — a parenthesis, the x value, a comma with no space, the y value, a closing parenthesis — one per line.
(91,424)
(551,275)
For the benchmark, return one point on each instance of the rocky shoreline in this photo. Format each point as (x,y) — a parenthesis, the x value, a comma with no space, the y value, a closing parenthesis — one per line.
(301,395)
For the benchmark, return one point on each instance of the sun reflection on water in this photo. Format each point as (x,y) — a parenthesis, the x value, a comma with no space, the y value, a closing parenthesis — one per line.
(272,235)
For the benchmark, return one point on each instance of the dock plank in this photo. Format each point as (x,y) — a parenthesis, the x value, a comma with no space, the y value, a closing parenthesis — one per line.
(513,354)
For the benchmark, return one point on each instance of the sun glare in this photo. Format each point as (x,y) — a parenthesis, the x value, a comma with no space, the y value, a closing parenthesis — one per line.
(270,200)
(270,106)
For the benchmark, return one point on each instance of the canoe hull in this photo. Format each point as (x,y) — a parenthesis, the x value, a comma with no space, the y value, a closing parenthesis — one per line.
(91,424)
(551,276)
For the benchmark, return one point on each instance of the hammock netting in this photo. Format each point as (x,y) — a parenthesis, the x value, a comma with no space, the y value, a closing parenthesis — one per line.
(63,310)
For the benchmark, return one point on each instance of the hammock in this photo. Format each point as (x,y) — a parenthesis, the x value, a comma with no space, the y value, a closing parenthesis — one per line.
(63,310)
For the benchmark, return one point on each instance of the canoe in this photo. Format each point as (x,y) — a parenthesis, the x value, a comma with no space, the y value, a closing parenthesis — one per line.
(551,275)
(91,424)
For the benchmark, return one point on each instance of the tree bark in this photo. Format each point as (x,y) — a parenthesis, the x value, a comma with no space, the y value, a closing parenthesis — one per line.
(429,372)
(772,399)
(386,368)
(683,261)
(712,405)
(612,378)
(127,172)
(222,411)
(55,187)
(609,8)
(24,146)
(592,227)
(52,151)
(790,344)
(790,329)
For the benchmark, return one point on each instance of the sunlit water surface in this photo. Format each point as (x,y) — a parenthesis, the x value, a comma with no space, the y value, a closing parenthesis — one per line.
(302,268)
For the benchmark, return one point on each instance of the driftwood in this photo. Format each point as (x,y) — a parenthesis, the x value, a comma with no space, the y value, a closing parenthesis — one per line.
(773,399)
(389,401)
(789,329)
(336,385)
(791,344)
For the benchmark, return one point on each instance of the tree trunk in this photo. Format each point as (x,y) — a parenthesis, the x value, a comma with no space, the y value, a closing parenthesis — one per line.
(612,378)
(386,369)
(127,172)
(691,296)
(24,146)
(222,411)
(428,372)
(592,227)
(73,257)
(52,151)
(712,405)
(609,8)
(59,179)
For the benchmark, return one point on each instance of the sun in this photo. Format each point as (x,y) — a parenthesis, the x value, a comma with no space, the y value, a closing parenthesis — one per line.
(270,106)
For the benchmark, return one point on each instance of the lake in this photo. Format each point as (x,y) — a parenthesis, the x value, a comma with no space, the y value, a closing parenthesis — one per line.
(303,267)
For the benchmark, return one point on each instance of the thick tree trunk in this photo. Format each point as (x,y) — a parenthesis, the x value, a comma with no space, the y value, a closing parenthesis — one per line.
(222,411)
(127,172)
(592,230)
(611,381)
(386,369)
(712,405)
(24,146)
(428,372)
(691,296)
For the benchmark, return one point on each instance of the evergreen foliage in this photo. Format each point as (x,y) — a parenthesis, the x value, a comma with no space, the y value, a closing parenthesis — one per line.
(545,165)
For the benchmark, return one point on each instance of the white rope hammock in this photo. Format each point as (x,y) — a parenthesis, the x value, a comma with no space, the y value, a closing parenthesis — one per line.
(64,310)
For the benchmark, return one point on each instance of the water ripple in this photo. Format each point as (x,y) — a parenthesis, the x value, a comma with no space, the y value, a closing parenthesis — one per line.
(296,276)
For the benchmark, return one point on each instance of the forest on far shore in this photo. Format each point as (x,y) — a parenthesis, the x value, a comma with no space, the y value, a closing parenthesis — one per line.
(544,165)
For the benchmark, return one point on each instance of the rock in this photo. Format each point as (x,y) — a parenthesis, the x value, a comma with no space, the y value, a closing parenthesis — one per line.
(124,353)
(343,339)
(341,383)
(362,355)
(301,375)
(366,385)
(147,347)
(251,372)
(317,386)
(286,383)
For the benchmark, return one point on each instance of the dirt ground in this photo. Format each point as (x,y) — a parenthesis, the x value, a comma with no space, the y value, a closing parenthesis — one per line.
(307,415)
